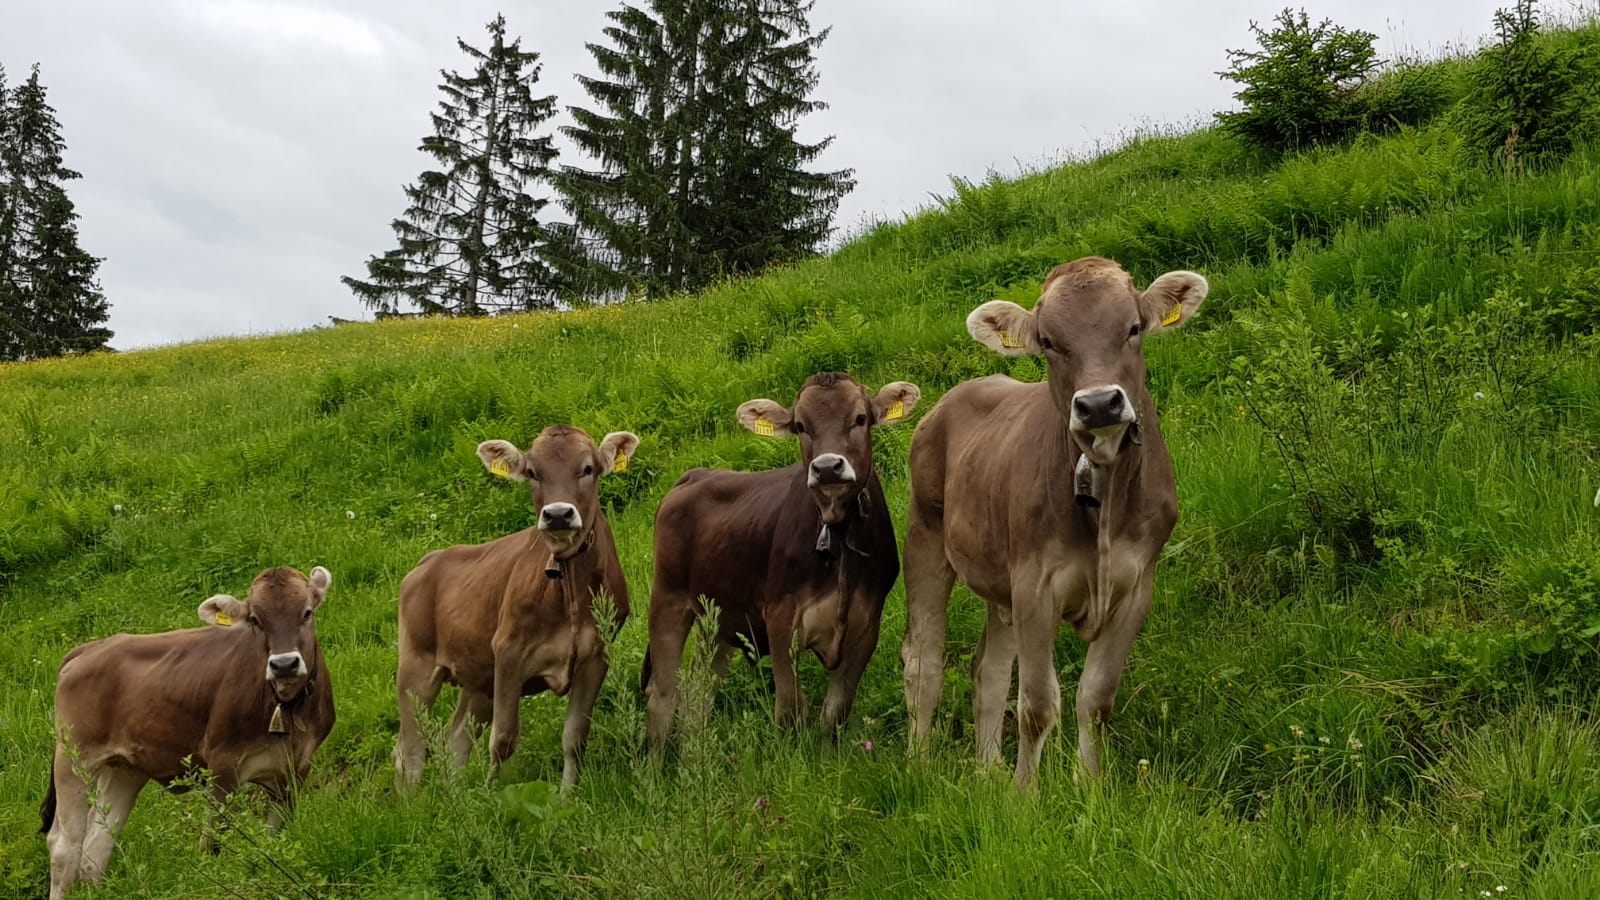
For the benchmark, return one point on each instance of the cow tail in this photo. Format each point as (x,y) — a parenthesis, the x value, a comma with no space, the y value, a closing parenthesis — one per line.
(47,811)
(644,672)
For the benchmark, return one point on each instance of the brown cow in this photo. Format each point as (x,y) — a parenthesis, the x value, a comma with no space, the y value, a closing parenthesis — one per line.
(248,703)
(1051,501)
(799,558)
(512,618)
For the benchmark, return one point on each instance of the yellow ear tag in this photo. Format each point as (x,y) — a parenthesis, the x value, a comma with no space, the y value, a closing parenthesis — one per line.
(1173,315)
(621,465)
(1006,340)
(224,619)
(763,428)
(896,410)
(499,467)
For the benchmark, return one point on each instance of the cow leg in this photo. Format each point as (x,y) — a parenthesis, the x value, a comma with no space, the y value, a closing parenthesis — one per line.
(928,578)
(117,789)
(671,617)
(991,683)
(214,822)
(586,681)
(505,729)
(1103,667)
(417,683)
(789,701)
(1034,621)
(69,826)
(845,679)
(472,711)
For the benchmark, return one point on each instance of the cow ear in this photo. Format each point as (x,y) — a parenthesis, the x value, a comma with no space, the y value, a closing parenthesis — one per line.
(320,580)
(1005,328)
(894,401)
(616,449)
(503,458)
(223,610)
(766,417)
(1170,300)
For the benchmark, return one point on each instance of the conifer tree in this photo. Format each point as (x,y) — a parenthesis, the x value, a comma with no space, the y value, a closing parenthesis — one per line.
(470,241)
(700,173)
(50,303)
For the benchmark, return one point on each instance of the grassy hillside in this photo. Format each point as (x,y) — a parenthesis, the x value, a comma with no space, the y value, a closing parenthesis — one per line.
(1370,669)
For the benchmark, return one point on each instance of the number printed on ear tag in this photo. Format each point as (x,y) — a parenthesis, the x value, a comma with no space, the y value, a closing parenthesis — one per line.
(1173,315)
(763,427)
(896,410)
(224,619)
(621,465)
(1006,340)
(499,467)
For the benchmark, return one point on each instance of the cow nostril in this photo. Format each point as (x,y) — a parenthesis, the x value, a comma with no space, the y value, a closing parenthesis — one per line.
(1114,403)
(1081,407)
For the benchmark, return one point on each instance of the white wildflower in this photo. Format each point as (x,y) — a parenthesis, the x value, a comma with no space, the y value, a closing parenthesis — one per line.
(349,514)
(117,507)
(1477,395)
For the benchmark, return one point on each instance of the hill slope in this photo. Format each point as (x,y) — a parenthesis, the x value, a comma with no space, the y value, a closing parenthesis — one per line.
(1370,669)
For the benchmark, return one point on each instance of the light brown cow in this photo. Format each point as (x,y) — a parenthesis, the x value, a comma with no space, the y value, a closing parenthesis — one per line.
(249,702)
(1051,501)
(511,618)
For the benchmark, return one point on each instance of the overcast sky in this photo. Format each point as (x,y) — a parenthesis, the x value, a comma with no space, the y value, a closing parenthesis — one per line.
(238,156)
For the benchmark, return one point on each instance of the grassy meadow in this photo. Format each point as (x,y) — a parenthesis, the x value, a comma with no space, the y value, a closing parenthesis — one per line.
(1371,666)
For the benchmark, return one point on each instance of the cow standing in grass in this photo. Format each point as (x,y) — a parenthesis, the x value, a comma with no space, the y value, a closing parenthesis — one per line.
(796,559)
(1051,501)
(249,702)
(513,617)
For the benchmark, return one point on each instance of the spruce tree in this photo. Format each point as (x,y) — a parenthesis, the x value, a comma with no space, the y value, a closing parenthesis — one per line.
(50,303)
(470,241)
(700,174)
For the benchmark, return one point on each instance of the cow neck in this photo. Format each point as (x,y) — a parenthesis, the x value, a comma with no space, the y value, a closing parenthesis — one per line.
(565,574)
(853,539)
(1106,495)
(285,712)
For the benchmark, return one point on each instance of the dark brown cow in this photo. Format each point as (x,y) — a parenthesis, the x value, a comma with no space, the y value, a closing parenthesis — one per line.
(511,618)
(1051,501)
(248,702)
(799,558)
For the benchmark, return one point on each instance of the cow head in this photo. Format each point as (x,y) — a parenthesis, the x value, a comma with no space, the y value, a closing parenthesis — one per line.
(562,468)
(278,611)
(1089,324)
(834,416)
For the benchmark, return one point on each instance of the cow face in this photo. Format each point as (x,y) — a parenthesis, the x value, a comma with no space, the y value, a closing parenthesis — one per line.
(1089,324)
(833,415)
(562,469)
(279,613)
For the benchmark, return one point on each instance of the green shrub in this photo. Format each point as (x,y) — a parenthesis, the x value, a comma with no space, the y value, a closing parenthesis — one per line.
(1410,95)
(1301,86)
(1529,100)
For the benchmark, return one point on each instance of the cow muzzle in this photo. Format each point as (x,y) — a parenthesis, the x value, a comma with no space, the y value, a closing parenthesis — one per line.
(559,518)
(286,666)
(831,473)
(1101,419)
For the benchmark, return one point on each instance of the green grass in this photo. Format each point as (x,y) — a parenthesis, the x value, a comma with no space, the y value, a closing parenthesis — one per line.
(1371,666)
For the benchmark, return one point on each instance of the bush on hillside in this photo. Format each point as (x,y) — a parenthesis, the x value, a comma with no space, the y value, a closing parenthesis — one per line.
(1410,95)
(1529,100)
(1301,86)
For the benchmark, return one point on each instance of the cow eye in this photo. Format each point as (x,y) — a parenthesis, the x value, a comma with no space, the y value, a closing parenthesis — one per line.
(797,428)
(1045,343)
(861,419)
(534,474)
(587,471)
(1134,331)
(254,622)
(306,617)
